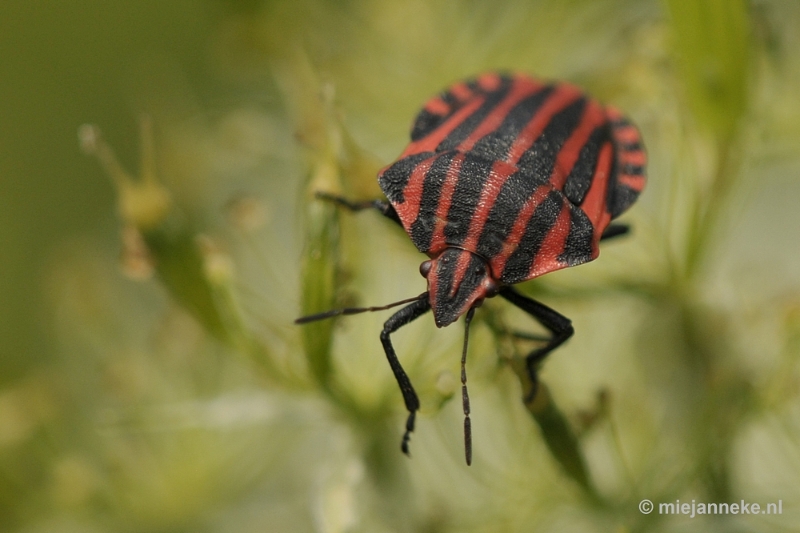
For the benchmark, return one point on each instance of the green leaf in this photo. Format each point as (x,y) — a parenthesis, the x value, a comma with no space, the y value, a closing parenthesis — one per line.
(320,261)
(711,42)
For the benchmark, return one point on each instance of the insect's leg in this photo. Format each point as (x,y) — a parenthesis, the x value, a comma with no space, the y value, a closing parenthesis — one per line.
(524,335)
(395,322)
(385,208)
(615,230)
(560,327)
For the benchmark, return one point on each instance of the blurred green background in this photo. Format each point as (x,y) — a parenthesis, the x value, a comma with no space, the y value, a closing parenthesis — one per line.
(151,378)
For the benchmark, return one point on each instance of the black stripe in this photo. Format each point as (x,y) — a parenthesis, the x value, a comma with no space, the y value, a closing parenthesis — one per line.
(580,177)
(621,198)
(504,212)
(448,263)
(629,147)
(473,86)
(468,125)
(447,306)
(521,186)
(451,100)
(540,158)
(632,169)
(425,123)
(536,165)
(515,192)
(422,228)
(540,224)
(471,179)
(496,145)
(578,246)
(394,179)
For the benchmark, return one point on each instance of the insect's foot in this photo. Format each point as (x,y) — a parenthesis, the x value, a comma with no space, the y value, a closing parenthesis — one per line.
(407,434)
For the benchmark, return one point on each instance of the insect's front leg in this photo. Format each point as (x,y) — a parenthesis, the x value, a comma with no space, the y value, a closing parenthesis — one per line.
(395,322)
(384,208)
(560,328)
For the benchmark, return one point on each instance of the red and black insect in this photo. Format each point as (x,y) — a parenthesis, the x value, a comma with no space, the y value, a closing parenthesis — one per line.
(506,178)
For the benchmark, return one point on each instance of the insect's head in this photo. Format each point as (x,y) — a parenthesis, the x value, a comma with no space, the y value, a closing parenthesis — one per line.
(458,280)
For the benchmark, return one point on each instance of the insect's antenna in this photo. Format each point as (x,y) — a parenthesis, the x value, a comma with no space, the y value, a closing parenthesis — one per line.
(355,310)
(464,393)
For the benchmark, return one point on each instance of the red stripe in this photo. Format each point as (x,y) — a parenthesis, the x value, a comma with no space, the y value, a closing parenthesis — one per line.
(431,141)
(461,91)
(593,117)
(564,95)
(409,209)
(437,106)
(546,259)
(636,158)
(461,269)
(518,229)
(489,81)
(634,181)
(626,134)
(520,90)
(594,204)
(613,113)
(433,285)
(445,198)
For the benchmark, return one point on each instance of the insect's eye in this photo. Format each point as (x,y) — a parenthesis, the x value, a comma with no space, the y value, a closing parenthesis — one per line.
(491,288)
(425,269)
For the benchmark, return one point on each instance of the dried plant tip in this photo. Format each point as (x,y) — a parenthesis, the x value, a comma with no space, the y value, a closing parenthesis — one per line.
(217,265)
(446,384)
(136,260)
(88,135)
(143,203)
(247,213)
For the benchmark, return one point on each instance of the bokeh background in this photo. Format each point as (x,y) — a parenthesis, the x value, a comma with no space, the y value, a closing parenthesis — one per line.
(151,378)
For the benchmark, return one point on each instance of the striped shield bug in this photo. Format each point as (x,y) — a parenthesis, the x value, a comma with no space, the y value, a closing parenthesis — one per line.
(506,178)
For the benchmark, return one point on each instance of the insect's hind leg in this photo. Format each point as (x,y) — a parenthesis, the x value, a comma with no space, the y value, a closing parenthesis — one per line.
(615,230)
(395,322)
(560,328)
(385,208)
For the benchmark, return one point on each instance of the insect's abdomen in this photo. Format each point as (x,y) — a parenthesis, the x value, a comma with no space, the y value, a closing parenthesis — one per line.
(526,174)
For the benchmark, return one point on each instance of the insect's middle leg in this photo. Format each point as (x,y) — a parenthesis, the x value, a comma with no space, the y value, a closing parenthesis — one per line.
(384,208)
(395,322)
(560,328)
